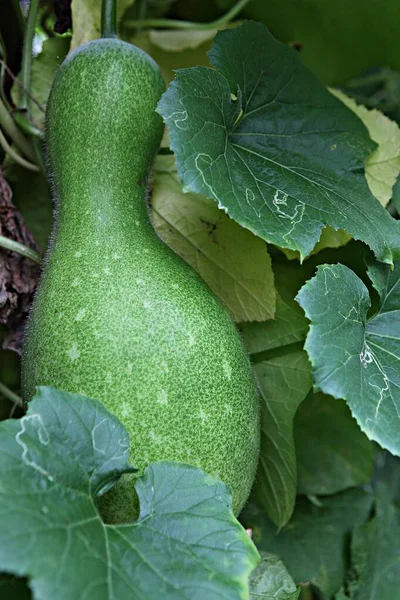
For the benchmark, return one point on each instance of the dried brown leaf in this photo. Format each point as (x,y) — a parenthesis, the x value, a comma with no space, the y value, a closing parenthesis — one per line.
(18,275)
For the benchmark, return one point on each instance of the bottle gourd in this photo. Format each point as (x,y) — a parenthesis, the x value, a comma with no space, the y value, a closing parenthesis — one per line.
(118,316)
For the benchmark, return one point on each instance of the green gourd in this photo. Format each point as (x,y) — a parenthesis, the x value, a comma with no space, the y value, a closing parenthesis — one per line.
(118,316)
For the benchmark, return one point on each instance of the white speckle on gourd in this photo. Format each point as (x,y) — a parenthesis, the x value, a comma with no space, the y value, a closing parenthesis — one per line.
(139,281)
(76,282)
(80,314)
(162,397)
(228,409)
(107,270)
(116,256)
(108,377)
(227,370)
(203,416)
(73,352)
(192,339)
(125,408)
(155,438)
(129,368)
(78,254)
(147,304)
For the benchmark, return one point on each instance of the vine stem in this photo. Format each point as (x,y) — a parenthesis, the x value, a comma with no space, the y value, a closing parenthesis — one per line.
(11,129)
(9,244)
(188,25)
(26,67)
(26,74)
(109,18)
(18,82)
(10,395)
(19,159)
(27,127)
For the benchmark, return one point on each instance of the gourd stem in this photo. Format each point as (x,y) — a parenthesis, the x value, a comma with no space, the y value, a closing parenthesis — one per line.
(11,129)
(15,156)
(21,249)
(188,25)
(26,67)
(109,19)
(10,395)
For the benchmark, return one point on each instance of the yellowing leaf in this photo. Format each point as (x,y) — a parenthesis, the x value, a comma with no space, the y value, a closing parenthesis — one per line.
(86,22)
(86,18)
(383,165)
(234,262)
(330,238)
(178,40)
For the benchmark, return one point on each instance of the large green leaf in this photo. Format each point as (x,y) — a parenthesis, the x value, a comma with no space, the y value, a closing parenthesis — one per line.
(260,135)
(56,460)
(332,452)
(337,39)
(287,328)
(375,553)
(234,262)
(353,357)
(271,581)
(44,67)
(284,383)
(283,373)
(313,544)
(387,471)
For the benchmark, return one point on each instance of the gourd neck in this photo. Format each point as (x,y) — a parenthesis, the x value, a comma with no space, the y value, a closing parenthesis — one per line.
(109,208)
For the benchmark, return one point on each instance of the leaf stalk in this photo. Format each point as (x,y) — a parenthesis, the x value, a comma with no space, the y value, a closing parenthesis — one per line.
(188,25)
(9,244)
(9,126)
(15,156)
(26,67)
(10,395)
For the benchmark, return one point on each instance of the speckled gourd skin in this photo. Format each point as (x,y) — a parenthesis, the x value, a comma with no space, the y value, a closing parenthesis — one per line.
(118,316)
